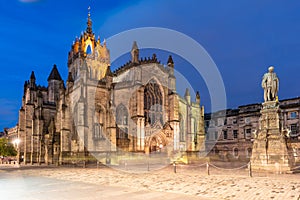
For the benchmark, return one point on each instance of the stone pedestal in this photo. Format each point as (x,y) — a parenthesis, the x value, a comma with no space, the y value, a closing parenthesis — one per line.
(270,151)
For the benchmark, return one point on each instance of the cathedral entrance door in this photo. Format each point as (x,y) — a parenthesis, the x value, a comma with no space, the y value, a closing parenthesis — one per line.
(157,143)
(153,145)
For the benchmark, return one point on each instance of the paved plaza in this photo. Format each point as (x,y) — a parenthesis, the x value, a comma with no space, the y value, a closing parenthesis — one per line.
(19,186)
(190,182)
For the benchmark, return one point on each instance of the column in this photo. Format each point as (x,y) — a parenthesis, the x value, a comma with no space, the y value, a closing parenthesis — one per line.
(176,135)
(138,136)
(142,134)
(31,147)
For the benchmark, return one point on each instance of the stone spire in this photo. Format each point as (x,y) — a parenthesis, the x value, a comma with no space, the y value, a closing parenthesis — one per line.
(197,97)
(32,80)
(187,96)
(134,53)
(89,22)
(54,75)
(170,61)
(54,81)
(187,93)
(32,76)
(134,46)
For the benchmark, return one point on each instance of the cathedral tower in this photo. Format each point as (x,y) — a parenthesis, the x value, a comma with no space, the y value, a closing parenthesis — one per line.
(89,78)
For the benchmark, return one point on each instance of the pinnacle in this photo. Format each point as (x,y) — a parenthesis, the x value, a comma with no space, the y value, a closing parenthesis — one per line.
(54,75)
(134,45)
(32,76)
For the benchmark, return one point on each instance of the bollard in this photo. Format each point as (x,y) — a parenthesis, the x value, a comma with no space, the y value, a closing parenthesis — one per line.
(174,165)
(148,166)
(207,168)
(250,169)
(125,165)
(97,164)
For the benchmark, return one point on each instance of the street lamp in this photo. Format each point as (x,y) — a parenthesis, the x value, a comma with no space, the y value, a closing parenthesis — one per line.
(16,143)
(160,147)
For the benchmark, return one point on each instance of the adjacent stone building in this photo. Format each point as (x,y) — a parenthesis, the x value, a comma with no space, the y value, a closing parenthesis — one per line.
(100,112)
(230,133)
(11,134)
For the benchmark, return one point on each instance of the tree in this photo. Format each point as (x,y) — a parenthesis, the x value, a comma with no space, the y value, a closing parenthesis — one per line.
(6,148)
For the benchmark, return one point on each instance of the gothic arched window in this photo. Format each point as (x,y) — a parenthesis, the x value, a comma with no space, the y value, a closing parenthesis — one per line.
(122,121)
(98,131)
(153,103)
(89,50)
(235,152)
(122,115)
(98,125)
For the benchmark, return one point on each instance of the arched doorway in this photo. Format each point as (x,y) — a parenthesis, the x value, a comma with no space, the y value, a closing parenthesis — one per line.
(158,143)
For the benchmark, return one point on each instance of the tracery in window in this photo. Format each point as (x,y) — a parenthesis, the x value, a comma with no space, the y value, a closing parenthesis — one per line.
(153,103)
(98,131)
(122,121)
(122,115)
(98,125)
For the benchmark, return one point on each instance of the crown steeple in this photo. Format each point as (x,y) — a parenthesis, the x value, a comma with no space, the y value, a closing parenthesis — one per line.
(88,51)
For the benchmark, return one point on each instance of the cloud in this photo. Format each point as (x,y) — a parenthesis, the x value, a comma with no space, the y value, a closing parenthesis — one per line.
(29,1)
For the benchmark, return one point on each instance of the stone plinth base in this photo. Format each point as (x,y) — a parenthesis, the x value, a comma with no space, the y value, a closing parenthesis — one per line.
(271,165)
(270,151)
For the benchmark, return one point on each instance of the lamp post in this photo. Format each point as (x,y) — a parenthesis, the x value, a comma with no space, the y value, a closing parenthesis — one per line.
(160,148)
(16,143)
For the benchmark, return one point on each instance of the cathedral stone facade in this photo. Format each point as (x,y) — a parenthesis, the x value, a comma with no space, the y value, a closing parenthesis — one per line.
(101,112)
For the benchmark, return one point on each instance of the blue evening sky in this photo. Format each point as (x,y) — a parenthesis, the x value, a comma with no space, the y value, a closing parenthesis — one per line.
(243,38)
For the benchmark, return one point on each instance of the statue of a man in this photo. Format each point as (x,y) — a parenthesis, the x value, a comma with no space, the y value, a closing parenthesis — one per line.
(270,84)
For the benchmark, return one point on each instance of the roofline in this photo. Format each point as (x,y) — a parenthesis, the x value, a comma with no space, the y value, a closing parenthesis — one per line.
(253,104)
